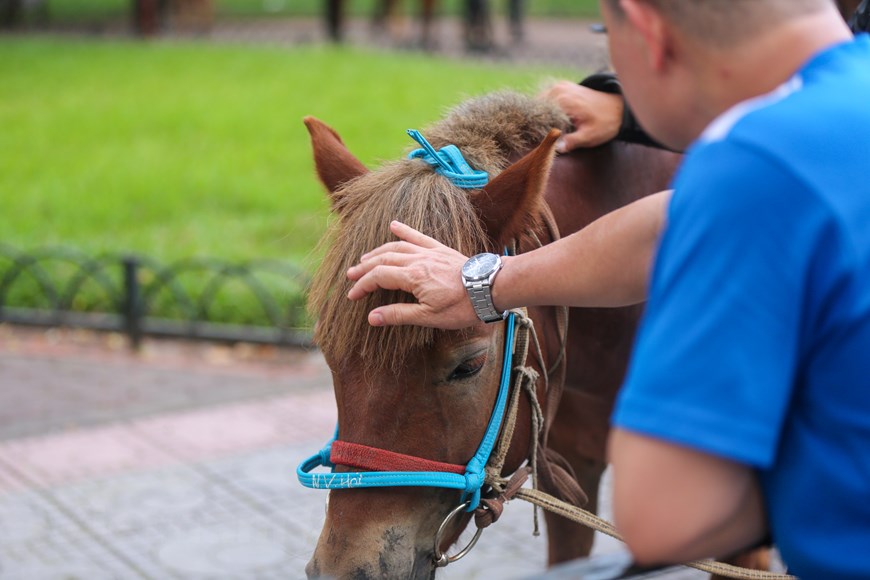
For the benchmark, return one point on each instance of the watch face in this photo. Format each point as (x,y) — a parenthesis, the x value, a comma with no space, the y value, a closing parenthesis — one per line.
(480,266)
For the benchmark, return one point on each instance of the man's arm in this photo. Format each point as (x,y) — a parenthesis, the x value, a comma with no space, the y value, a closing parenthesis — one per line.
(701,505)
(605,264)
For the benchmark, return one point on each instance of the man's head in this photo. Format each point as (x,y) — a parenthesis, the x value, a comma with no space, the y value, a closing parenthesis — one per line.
(682,61)
(726,22)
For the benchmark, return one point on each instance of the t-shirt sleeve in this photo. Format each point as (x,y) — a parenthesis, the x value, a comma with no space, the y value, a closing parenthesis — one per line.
(717,351)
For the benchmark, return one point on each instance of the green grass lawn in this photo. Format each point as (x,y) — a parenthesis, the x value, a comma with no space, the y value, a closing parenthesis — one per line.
(178,150)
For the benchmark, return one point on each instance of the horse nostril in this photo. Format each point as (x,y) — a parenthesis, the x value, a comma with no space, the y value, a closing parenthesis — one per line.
(312,570)
(424,568)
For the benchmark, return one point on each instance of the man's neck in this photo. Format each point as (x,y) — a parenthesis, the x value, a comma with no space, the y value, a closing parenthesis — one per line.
(760,65)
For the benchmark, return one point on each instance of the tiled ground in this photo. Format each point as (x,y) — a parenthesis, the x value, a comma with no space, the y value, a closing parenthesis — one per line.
(200,490)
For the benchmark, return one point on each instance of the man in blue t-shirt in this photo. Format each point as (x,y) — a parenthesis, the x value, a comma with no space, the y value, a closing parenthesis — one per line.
(755,340)
(746,409)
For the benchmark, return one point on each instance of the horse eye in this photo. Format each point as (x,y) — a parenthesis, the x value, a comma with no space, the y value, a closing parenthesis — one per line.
(468,368)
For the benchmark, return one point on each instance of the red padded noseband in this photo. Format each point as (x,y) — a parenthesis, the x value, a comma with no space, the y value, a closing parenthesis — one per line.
(374,459)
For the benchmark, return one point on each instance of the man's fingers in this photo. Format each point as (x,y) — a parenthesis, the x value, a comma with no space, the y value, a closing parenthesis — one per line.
(409,234)
(372,261)
(571,141)
(412,240)
(404,314)
(404,247)
(386,277)
(556,90)
(400,314)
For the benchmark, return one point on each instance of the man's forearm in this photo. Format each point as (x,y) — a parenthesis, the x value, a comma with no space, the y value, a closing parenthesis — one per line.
(606,264)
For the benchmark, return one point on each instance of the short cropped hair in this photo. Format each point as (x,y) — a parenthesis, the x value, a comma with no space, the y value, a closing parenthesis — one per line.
(728,22)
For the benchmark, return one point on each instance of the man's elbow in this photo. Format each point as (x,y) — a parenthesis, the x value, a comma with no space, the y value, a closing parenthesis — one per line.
(651,539)
(673,504)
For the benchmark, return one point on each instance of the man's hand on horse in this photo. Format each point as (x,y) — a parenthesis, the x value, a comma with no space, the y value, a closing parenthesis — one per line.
(596,116)
(420,266)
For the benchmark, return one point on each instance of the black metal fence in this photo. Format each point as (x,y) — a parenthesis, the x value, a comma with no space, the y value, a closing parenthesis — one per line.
(261,301)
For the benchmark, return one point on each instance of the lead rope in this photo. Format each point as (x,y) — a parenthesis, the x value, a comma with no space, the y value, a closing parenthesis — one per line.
(521,349)
(525,381)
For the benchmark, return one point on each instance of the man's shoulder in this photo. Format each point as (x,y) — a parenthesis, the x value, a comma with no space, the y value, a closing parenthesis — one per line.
(827,96)
(741,182)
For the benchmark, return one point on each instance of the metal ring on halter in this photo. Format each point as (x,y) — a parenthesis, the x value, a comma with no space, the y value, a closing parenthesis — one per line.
(441,558)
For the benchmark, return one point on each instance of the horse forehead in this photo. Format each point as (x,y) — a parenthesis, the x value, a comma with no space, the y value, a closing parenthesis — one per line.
(359,387)
(350,373)
(353,374)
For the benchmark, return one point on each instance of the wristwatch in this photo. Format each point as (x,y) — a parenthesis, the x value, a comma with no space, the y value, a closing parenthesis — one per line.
(478,274)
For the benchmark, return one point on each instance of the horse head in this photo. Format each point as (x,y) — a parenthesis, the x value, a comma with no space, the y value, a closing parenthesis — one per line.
(418,392)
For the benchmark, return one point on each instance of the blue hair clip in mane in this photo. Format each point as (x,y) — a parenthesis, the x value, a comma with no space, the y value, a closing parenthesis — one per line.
(449,162)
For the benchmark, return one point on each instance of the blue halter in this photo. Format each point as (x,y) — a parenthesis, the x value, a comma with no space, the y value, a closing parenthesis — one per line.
(470,483)
(449,162)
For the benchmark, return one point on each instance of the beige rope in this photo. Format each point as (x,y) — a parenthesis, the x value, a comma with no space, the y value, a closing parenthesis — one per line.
(520,374)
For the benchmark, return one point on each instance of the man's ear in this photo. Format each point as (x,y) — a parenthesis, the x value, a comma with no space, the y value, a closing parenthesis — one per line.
(335,164)
(647,20)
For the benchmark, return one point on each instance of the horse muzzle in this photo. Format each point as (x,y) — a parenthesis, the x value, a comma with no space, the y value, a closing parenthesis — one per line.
(389,563)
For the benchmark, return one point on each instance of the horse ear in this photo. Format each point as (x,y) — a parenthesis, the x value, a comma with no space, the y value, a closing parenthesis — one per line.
(335,164)
(508,201)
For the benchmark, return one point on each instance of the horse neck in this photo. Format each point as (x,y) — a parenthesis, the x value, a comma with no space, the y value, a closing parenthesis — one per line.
(584,186)
(550,321)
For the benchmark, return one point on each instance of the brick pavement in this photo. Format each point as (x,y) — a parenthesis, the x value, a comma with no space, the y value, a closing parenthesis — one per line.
(176,463)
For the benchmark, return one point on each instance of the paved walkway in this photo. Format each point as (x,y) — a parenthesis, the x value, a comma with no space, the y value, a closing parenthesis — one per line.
(176,463)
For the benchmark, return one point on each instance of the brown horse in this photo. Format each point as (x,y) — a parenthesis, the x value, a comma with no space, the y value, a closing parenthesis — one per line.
(847,7)
(429,393)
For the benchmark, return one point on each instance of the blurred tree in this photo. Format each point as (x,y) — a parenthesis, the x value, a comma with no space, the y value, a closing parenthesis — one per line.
(151,16)
(10,13)
(476,15)
(147,16)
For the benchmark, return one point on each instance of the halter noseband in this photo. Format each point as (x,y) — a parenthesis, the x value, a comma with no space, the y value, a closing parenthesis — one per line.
(399,470)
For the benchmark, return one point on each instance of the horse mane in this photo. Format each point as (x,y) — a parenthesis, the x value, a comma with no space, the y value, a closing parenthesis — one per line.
(491,131)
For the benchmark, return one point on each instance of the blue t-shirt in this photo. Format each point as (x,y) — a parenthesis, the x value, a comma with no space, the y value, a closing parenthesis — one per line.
(755,345)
